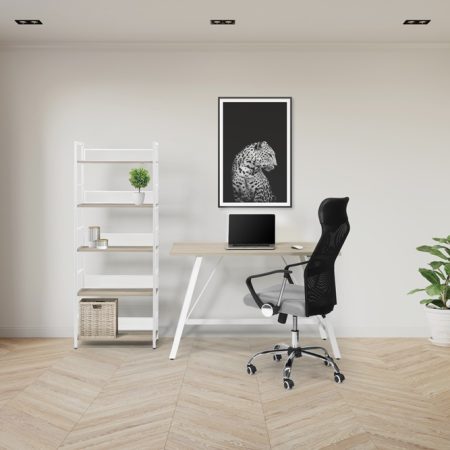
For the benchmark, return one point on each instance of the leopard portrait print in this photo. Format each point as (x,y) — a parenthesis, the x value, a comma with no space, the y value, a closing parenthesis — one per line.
(250,184)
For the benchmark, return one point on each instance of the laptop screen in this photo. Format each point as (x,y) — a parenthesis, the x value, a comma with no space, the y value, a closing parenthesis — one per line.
(251,229)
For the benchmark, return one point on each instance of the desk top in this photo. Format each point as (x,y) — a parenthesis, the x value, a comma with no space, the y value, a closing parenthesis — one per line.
(218,248)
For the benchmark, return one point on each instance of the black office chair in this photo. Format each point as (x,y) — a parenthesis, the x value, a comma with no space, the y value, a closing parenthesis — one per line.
(316,297)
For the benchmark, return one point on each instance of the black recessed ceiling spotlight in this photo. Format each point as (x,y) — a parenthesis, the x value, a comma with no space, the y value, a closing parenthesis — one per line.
(28,22)
(222,22)
(416,22)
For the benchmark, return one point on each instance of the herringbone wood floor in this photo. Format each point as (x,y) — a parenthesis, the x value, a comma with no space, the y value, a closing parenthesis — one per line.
(396,396)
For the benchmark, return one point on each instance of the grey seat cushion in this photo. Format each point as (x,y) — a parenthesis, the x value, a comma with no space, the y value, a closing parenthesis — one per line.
(292,302)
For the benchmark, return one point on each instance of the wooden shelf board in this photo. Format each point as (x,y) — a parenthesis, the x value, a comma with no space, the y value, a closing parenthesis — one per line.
(123,336)
(115,292)
(117,248)
(115,205)
(115,162)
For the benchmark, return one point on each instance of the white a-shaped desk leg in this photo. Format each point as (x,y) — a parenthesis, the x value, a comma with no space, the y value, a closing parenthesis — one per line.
(186,305)
(331,336)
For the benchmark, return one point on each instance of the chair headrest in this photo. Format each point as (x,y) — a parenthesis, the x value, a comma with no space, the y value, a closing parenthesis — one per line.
(333,211)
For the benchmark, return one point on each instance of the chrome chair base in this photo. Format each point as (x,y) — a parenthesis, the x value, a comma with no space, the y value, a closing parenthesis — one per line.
(295,351)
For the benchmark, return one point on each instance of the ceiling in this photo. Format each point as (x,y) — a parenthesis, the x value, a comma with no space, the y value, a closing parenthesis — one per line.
(257,21)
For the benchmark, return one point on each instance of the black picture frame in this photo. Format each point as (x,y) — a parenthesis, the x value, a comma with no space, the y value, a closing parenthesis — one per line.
(255,152)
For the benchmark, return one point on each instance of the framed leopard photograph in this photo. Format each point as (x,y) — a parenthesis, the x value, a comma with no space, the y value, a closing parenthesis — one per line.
(255,152)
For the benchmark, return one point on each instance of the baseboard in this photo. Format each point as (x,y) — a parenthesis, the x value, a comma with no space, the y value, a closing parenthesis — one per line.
(305,330)
(35,332)
(230,331)
(382,331)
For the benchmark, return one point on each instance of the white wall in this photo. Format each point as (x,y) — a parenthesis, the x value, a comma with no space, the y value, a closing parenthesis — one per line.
(370,123)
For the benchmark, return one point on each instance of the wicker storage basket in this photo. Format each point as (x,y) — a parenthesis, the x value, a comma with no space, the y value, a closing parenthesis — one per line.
(98,318)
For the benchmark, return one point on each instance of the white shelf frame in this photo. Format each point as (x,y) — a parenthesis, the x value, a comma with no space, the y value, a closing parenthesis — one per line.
(89,285)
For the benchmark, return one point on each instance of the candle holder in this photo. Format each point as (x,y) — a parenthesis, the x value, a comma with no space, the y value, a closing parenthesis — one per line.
(94,235)
(101,244)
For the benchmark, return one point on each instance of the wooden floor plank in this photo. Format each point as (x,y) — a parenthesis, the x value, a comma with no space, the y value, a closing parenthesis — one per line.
(218,407)
(136,405)
(396,396)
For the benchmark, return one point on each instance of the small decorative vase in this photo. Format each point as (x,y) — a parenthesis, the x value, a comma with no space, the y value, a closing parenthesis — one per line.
(139,198)
(94,234)
(439,320)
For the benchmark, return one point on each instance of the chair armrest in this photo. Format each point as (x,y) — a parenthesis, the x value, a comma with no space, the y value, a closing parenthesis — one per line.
(285,271)
(255,296)
(295,264)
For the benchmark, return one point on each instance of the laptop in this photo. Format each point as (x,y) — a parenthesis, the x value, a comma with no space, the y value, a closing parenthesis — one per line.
(251,232)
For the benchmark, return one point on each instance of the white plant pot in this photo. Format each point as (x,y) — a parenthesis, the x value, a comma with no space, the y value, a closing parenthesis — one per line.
(439,320)
(139,198)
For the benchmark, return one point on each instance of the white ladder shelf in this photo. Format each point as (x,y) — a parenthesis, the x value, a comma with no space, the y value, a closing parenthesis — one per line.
(139,329)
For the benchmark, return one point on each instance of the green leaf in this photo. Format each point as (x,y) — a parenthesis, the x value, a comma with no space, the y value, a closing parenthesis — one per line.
(447,269)
(430,276)
(442,240)
(440,274)
(433,250)
(415,290)
(438,303)
(433,290)
(436,264)
(425,301)
(443,247)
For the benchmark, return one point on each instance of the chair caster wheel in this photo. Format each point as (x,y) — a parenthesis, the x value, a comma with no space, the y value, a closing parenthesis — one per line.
(339,377)
(327,363)
(277,357)
(288,383)
(251,369)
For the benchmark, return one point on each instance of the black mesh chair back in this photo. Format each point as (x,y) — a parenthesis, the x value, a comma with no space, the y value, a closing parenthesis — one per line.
(320,286)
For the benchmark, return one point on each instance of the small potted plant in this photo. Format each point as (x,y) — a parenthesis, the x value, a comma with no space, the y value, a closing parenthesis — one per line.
(139,178)
(438,301)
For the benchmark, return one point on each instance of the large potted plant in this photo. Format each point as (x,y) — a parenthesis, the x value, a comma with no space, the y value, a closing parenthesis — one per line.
(437,303)
(139,178)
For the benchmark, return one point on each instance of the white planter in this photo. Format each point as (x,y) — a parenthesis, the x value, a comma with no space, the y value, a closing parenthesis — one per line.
(138,198)
(439,320)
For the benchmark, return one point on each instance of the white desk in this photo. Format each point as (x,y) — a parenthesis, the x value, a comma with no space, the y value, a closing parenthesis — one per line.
(217,249)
